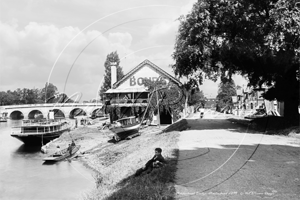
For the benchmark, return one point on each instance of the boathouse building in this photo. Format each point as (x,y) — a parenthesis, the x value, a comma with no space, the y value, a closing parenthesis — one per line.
(130,93)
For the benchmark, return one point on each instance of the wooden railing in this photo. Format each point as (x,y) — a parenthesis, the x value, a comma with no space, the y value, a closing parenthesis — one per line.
(53,126)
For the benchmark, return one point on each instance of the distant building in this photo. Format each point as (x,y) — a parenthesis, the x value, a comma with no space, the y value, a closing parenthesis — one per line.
(250,99)
(210,103)
(130,94)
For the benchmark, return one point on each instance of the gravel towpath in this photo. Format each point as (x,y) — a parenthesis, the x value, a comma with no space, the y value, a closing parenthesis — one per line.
(219,159)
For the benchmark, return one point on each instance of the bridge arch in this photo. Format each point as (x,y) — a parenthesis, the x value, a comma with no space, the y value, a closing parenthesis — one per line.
(16,114)
(76,111)
(94,112)
(58,113)
(35,114)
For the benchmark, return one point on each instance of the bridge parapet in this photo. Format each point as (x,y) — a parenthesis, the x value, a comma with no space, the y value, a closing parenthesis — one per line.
(55,105)
(65,108)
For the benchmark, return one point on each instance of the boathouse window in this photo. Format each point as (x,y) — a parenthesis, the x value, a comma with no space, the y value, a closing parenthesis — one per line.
(143,95)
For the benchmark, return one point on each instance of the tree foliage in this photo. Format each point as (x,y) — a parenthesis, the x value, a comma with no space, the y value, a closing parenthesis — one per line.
(224,98)
(169,96)
(257,39)
(33,96)
(20,96)
(48,92)
(196,98)
(113,57)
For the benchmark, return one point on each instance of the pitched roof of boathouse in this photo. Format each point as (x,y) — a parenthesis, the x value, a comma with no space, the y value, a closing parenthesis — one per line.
(149,64)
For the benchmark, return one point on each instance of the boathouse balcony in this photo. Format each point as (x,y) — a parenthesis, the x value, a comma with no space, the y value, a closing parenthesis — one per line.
(124,98)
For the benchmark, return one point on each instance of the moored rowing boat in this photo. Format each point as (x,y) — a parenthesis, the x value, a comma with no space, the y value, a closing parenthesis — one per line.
(63,154)
(125,127)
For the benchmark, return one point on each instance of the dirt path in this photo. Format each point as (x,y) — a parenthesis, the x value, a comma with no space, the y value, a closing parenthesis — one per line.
(221,160)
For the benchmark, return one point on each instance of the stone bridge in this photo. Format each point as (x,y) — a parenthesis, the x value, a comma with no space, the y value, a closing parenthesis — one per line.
(66,110)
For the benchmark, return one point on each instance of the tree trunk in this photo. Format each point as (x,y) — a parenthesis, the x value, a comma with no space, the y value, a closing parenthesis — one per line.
(286,89)
(186,103)
(291,112)
(291,102)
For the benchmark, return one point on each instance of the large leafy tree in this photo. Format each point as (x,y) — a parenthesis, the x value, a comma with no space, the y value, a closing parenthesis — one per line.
(30,96)
(6,98)
(168,97)
(48,92)
(113,57)
(254,38)
(224,98)
(196,98)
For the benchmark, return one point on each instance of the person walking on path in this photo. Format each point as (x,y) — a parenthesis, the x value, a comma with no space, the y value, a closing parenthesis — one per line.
(201,112)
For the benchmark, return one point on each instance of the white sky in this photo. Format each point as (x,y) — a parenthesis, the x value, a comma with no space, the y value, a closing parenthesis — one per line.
(34,33)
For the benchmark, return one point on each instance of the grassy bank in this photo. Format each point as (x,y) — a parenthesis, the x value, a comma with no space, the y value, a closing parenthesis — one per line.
(159,184)
(116,164)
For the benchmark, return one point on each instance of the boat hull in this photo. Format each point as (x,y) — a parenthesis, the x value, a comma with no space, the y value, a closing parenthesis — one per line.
(124,132)
(65,154)
(38,139)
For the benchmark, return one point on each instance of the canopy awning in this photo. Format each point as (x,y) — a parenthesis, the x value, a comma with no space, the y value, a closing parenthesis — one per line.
(126,90)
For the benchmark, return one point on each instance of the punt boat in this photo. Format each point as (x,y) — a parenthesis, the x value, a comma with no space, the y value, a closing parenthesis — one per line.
(62,154)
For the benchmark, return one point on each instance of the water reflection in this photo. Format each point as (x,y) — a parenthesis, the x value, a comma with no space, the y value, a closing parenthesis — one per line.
(23,174)
(14,123)
(25,149)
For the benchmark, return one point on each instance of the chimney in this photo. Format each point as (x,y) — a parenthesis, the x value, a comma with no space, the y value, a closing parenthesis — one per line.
(113,73)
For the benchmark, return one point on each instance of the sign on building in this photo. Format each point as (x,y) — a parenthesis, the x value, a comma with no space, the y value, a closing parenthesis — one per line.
(144,73)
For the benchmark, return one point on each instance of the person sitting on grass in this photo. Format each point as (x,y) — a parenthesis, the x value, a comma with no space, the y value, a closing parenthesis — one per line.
(156,162)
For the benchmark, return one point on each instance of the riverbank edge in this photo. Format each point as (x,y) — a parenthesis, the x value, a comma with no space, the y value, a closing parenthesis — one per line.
(141,152)
(92,153)
(98,154)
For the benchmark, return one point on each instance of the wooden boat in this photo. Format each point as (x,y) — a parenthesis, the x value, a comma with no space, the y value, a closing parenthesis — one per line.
(63,154)
(129,126)
(39,132)
(125,127)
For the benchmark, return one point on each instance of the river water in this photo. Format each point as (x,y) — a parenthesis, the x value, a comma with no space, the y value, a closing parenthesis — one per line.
(23,174)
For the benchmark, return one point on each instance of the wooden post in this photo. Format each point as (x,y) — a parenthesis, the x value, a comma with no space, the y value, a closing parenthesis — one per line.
(132,98)
(158,114)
